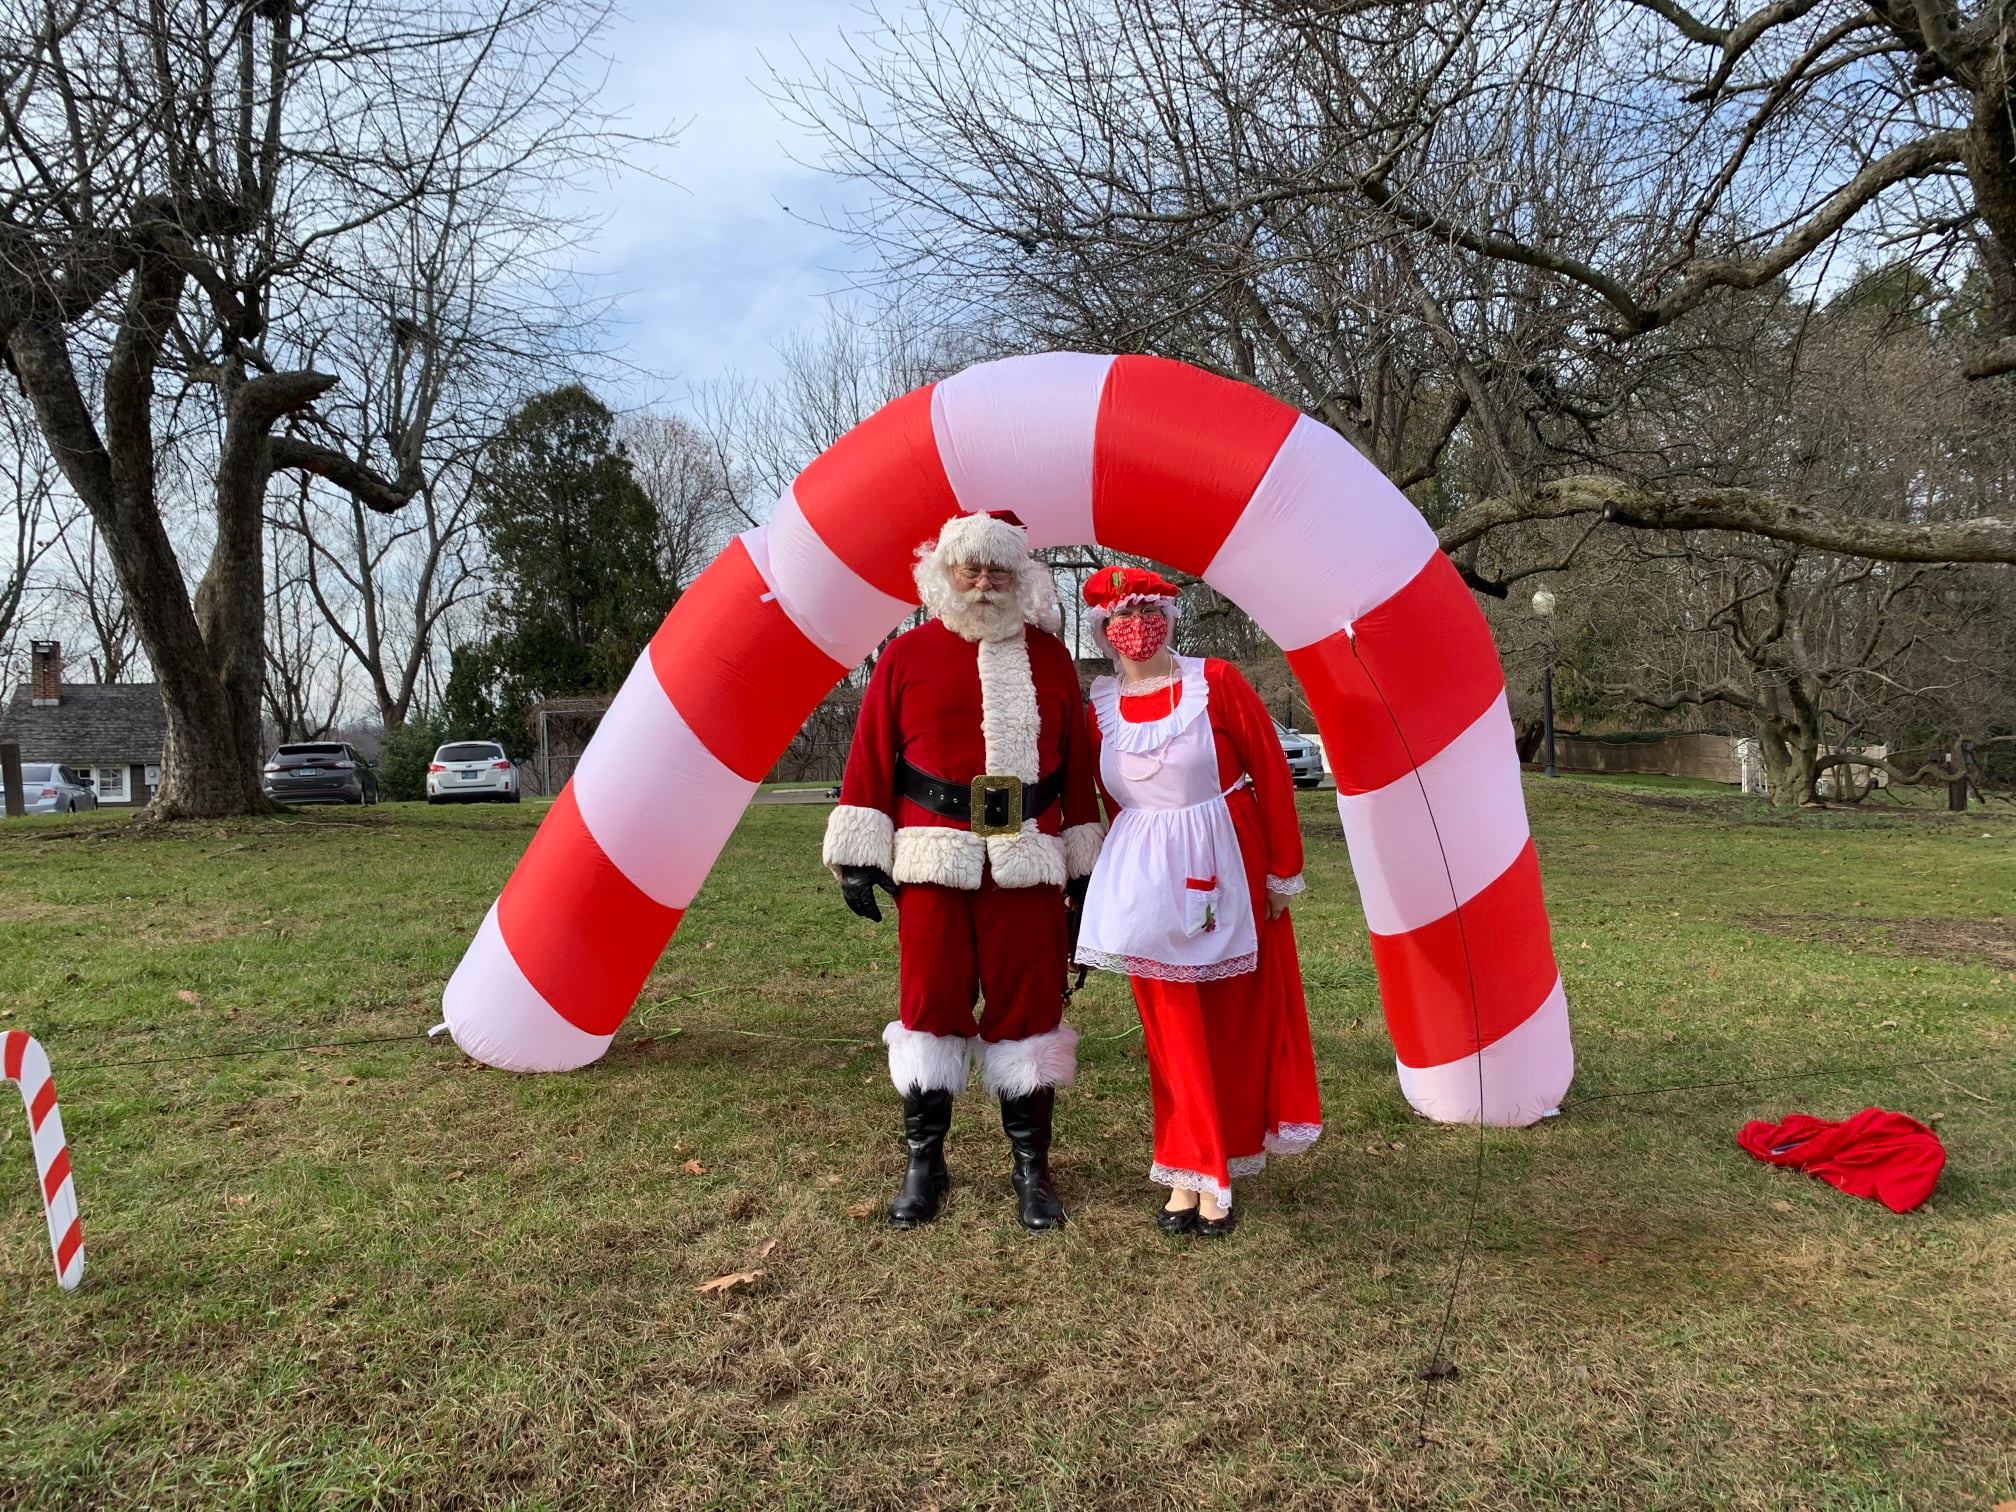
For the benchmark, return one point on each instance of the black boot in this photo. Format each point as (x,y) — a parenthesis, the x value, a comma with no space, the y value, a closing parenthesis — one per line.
(1026,1121)
(927,1118)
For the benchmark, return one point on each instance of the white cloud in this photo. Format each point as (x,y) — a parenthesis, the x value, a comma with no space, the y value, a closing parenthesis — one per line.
(708,269)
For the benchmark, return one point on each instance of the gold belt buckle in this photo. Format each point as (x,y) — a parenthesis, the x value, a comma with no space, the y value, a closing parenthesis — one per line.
(977,805)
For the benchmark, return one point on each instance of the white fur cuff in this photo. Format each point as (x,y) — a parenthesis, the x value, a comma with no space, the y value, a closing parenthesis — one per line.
(948,857)
(1081,848)
(927,1062)
(1029,859)
(858,837)
(1015,1068)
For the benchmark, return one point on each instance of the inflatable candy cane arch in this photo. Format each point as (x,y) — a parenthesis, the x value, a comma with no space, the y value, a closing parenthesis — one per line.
(22,1062)
(1141,455)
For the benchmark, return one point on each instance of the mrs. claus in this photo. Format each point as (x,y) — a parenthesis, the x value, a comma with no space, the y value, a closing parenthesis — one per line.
(1190,900)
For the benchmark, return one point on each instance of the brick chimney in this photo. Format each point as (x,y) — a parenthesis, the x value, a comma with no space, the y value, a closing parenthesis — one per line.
(45,681)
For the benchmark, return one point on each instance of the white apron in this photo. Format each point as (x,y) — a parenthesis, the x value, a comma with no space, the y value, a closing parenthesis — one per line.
(1168,896)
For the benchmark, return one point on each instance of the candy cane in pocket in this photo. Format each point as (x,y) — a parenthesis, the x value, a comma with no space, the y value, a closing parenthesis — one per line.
(23,1062)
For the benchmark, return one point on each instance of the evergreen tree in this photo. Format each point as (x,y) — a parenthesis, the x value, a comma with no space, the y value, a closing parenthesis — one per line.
(574,541)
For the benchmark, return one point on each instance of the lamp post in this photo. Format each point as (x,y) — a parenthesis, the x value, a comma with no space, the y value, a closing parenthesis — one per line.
(1543,605)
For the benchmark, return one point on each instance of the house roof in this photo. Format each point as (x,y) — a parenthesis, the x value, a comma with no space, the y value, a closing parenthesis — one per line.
(104,723)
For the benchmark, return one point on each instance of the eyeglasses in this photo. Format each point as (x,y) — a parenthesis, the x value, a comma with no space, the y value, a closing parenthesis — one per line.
(972,575)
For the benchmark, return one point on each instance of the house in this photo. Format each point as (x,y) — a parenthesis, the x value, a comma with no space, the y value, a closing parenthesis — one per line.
(111,732)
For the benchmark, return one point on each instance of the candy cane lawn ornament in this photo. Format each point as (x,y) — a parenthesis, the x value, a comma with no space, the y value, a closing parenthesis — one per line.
(22,1061)
(1145,456)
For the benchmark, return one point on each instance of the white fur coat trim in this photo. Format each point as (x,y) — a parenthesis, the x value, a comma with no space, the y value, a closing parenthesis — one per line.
(1015,1068)
(1081,848)
(1009,719)
(959,858)
(857,836)
(948,857)
(1030,859)
(927,1062)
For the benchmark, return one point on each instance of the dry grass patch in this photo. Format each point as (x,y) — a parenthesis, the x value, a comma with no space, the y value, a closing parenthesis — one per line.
(380,1276)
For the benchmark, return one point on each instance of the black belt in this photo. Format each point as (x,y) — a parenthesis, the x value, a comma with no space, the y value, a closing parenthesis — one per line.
(1005,802)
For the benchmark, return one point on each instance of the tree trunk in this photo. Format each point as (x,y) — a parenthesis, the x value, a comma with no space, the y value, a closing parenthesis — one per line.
(115,479)
(1788,764)
(210,764)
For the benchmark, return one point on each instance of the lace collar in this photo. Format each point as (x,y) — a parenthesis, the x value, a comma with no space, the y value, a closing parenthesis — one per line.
(1151,735)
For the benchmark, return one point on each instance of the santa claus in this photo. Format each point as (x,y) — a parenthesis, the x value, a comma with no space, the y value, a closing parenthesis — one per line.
(969,798)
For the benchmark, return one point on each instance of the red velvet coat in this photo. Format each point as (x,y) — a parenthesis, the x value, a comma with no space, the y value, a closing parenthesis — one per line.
(925,703)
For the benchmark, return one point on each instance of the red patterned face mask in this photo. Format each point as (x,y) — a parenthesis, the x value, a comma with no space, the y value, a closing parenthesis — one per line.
(1139,636)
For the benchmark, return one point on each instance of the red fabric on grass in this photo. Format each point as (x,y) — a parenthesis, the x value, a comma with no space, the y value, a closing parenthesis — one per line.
(1885,1156)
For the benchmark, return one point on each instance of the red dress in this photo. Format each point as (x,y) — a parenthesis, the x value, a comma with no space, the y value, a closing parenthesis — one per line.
(1230,1066)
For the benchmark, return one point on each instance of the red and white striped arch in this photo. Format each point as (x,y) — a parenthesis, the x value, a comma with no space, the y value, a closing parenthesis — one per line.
(1141,455)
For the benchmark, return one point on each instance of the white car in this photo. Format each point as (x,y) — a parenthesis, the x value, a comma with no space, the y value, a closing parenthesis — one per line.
(469,770)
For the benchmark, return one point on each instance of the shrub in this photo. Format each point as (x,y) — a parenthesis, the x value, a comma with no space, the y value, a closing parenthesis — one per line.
(403,758)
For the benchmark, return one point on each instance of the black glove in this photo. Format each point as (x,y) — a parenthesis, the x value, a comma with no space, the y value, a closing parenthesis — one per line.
(857,887)
(1074,892)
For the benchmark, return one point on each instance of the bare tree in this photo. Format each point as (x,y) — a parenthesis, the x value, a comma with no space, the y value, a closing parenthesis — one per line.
(33,513)
(383,584)
(196,199)
(829,380)
(680,469)
(1817,655)
(1473,238)
(87,595)
(304,668)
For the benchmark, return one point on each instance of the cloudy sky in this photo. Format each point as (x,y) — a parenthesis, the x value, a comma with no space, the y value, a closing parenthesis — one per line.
(709,270)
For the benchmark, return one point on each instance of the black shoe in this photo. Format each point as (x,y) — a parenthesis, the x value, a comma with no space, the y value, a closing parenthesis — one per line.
(1215,1228)
(927,1118)
(1026,1122)
(1176,1220)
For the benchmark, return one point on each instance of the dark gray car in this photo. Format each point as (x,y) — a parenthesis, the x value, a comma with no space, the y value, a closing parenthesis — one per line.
(49,787)
(323,771)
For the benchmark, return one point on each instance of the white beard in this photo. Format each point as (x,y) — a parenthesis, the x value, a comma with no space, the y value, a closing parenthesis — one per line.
(982,614)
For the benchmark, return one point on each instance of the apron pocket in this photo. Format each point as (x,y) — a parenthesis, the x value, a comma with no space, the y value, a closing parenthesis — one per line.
(1200,905)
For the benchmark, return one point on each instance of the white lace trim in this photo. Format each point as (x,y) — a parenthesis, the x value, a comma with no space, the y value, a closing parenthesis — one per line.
(1287,887)
(1191,1181)
(1163,971)
(1293,1138)
(1148,685)
(1287,1139)
(1150,736)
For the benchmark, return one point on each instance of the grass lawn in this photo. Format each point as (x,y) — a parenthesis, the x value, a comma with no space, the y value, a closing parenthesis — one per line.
(379,1275)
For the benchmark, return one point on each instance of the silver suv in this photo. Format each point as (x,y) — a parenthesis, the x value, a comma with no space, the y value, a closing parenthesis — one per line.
(320,771)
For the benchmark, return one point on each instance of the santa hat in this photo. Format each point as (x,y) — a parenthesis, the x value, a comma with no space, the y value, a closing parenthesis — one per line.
(990,539)
(1112,587)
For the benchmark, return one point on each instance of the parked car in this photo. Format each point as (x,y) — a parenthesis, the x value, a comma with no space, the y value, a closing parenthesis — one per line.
(465,771)
(49,787)
(1305,762)
(321,771)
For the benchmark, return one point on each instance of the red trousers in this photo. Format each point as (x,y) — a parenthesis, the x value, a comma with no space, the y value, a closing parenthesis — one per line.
(1003,945)
(1230,1069)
